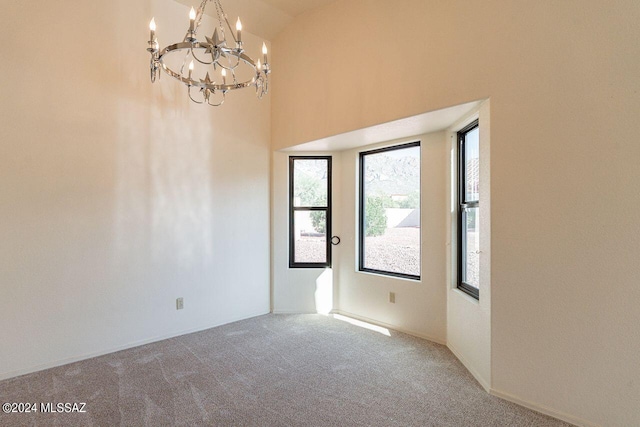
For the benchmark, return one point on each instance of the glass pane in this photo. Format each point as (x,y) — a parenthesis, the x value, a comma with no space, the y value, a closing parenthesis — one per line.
(310,182)
(471,242)
(392,211)
(310,238)
(472,156)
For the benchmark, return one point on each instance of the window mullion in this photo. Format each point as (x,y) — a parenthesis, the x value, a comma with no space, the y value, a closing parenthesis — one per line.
(310,208)
(309,183)
(468,210)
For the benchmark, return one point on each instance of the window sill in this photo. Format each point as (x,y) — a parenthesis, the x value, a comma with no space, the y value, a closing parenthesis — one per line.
(466,296)
(390,276)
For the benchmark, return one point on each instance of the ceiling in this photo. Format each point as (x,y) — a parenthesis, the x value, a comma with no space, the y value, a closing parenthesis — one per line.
(264,18)
(432,121)
(296,7)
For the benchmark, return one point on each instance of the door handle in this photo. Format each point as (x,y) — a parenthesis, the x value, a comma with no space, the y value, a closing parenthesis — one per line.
(334,242)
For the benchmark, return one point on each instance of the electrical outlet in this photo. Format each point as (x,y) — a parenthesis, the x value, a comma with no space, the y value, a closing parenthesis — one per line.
(392,297)
(179,304)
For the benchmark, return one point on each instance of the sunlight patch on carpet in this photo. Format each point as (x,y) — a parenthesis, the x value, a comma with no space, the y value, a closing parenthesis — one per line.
(361,324)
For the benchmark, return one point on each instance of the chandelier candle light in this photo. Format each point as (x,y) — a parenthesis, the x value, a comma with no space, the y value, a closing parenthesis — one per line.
(216,58)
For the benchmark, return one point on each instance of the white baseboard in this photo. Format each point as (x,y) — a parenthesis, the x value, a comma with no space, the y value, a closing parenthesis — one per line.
(292,312)
(68,360)
(389,326)
(543,409)
(483,382)
(530,405)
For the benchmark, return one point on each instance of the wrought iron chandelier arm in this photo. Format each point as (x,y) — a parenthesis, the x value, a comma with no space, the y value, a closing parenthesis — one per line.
(193,54)
(201,9)
(229,25)
(223,17)
(230,67)
(191,97)
(252,74)
(224,95)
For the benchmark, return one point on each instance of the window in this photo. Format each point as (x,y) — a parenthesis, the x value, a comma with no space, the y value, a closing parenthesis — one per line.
(389,218)
(469,210)
(309,212)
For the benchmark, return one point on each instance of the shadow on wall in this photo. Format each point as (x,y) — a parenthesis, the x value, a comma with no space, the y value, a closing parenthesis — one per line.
(164,194)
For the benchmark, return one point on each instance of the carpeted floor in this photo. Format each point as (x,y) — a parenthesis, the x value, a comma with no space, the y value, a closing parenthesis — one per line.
(274,370)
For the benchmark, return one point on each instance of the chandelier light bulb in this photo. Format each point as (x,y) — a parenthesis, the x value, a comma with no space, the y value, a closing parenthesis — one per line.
(192,20)
(224,76)
(190,69)
(258,66)
(264,52)
(239,30)
(152,29)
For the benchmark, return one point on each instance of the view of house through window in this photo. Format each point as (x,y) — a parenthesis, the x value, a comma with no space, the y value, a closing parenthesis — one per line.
(390,211)
(310,211)
(469,210)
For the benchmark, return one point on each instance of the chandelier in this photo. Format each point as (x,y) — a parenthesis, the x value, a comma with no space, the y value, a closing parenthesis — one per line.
(222,64)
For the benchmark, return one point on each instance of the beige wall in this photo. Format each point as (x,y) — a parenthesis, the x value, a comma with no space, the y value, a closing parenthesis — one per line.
(468,319)
(563,82)
(302,290)
(420,306)
(118,196)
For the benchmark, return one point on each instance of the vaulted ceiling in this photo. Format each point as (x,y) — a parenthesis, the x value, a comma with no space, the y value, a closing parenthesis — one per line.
(296,7)
(264,18)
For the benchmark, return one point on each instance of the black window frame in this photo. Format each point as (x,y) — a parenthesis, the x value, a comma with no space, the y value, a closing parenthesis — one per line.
(463,205)
(361,217)
(293,209)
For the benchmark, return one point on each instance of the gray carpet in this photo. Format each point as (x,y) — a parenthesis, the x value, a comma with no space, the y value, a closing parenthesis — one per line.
(274,370)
